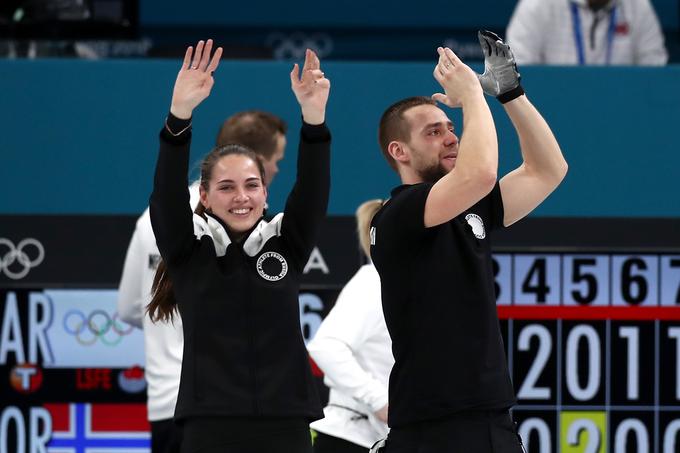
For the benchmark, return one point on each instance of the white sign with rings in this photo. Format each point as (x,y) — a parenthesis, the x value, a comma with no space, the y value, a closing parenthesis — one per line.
(86,332)
(17,260)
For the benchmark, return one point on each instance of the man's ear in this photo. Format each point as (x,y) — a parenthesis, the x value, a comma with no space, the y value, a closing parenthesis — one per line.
(398,151)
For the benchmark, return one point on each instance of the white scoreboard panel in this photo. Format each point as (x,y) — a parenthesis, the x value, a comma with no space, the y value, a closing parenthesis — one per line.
(593,344)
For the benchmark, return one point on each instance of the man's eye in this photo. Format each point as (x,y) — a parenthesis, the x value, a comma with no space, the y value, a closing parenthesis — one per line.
(434,132)
(225,188)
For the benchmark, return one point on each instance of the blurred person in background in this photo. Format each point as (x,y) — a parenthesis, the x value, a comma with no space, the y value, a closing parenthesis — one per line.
(353,349)
(265,134)
(586,32)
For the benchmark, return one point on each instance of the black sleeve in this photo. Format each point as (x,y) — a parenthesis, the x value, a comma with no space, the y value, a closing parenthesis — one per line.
(493,208)
(308,200)
(401,222)
(171,216)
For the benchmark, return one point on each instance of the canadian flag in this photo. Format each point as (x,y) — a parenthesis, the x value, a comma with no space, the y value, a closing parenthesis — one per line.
(98,428)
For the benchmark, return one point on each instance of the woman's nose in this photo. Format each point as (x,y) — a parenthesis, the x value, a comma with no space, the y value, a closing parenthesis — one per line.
(241,195)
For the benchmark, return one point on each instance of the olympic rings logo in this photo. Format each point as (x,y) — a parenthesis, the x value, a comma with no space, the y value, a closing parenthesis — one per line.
(293,46)
(29,253)
(99,325)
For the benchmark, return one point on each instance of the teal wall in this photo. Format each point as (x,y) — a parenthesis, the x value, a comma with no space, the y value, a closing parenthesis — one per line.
(80,137)
(377,13)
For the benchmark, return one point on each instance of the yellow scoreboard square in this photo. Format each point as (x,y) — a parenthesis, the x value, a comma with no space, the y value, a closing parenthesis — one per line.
(583,432)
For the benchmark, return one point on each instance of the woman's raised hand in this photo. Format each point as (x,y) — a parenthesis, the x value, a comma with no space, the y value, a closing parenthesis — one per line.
(311,89)
(195,79)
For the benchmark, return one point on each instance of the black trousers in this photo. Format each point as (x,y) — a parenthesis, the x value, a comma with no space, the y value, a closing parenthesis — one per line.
(469,432)
(166,436)
(329,444)
(246,435)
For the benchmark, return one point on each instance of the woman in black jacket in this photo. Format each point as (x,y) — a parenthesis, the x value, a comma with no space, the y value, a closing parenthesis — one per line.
(246,385)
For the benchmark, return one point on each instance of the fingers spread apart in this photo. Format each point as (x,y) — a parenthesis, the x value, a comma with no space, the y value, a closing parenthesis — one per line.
(200,59)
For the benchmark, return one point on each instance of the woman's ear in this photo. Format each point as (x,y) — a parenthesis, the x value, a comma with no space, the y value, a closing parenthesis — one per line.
(203,196)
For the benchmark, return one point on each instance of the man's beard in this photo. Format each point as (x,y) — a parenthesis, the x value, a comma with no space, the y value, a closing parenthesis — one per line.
(433,173)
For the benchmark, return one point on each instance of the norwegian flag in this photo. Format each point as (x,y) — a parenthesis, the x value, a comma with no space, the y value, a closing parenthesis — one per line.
(99,428)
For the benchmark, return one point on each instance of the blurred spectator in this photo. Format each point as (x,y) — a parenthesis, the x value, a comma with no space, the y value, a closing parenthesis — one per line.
(586,32)
(353,349)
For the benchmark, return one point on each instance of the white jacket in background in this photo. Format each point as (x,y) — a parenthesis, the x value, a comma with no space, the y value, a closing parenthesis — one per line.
(353,349)
(543,32)
(163,342)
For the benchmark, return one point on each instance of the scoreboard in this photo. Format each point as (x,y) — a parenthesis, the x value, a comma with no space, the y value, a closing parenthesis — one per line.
(593,346)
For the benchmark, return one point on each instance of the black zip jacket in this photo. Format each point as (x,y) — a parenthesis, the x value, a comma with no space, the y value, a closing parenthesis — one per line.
(244,354)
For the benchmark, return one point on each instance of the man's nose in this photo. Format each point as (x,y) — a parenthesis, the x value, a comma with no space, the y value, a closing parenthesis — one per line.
(451,139)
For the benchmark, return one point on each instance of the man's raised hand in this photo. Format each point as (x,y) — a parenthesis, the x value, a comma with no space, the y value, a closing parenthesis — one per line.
(456,78)
(500,71)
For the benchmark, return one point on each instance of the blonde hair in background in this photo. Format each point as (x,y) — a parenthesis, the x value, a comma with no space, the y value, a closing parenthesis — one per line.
(364,215)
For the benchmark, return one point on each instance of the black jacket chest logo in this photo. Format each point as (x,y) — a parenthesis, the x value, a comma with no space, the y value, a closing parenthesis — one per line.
(272,266)
(477,225)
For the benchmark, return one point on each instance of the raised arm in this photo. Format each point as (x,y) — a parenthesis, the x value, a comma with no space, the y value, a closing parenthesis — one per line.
(307,202)
(474,175)
(543,166)
(171,215)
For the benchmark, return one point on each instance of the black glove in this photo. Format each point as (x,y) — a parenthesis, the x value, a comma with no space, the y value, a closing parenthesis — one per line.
(500,77)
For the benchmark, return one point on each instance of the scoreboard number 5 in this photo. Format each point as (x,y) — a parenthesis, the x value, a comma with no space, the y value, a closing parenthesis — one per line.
(586,280)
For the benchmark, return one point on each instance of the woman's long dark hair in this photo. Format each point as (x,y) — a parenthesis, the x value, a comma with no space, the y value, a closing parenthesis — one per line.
(163,303)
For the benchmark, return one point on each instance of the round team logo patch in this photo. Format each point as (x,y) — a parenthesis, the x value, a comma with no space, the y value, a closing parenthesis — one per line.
(272,266)
(477,225)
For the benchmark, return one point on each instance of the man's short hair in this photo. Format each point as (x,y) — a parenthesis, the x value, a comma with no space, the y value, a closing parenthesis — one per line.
(393,125)
(255,129)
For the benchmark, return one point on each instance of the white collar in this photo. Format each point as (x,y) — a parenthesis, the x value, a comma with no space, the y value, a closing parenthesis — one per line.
(252,245)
